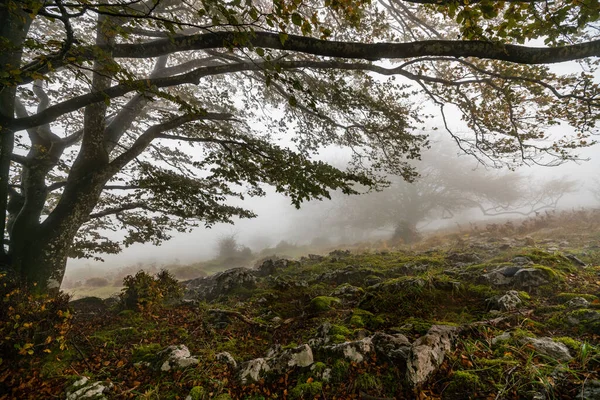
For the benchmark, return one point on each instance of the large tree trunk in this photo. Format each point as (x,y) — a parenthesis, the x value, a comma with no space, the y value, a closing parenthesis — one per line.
(14,25)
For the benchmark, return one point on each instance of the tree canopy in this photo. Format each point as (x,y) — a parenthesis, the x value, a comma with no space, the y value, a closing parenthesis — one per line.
(147,116)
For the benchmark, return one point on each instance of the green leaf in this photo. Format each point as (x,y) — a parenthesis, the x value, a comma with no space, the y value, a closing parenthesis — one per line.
(260,51)
(283,37)
(297,19)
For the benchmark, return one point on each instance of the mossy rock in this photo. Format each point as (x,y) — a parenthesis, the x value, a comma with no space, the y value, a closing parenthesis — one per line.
(368,383)
(198,393)
(323,303)
(565,297)
(339,333)
(363,318)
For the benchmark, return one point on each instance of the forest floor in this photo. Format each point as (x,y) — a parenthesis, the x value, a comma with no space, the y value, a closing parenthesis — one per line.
(504,292)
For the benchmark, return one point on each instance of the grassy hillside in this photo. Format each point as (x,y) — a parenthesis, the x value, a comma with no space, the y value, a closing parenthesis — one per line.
(523,307)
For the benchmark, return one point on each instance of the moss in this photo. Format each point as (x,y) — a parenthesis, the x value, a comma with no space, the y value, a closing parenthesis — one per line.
(564,297)
(306,390)
(323,303)
(552,274)
(524,295)
(223,396)
(415,325)
(145,352)
(481,291)
(464,385)
(198,393)
(569,342)
(363,318)
(339,371)
(367,382)
(318,367)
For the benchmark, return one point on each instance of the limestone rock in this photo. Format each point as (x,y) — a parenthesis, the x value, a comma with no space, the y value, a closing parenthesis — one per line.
(270,266)
(175,357)
(354,351)
(226,358)
(301,356)
(549,347)
(220,284)
(83,388)
(531,277)
(253,370)
(395,348)
(507,302)
(427,353)
(578,302)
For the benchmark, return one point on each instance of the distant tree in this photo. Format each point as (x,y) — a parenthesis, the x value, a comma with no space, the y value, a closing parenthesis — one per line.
(446,185)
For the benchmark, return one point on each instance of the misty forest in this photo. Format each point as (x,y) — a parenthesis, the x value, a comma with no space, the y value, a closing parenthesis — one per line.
(300,199)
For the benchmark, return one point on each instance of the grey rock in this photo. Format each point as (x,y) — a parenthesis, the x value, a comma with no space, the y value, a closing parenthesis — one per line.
(504,337)
(395,348)
(83,388)
(549,347)
(270,266)
(583,316)
(578,302)
(227,359)
(575,260)
(354,351)
(521,261)
(502,276)
(590,390)
(531,277)
(427,353)
(221,284)
(349,274)
(507,302)
(253,370)
(301,356)
(347,291)
(176,356)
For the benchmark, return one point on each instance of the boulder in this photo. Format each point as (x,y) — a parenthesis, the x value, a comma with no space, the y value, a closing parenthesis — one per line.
(507,302)
(578,302)
(270,266)
(427,353)
(395,348)
(221,284)
(502,276)
(174,357)
(531,277)
(227,359)
(83,388)
(253,370)
(349,274)
(550,348)
(353,351)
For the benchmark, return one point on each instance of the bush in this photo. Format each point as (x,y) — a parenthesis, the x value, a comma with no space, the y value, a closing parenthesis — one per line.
(97,282)
(145,292)
(31,323)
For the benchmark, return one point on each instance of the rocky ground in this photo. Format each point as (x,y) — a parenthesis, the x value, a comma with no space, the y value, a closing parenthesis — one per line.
(480,316)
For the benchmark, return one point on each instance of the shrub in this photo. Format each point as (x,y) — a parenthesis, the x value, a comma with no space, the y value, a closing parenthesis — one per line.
(31,323)
(145,292)
(97,282)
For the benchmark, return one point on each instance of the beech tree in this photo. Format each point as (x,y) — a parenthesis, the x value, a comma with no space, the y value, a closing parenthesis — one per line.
(446,185)
(147,116)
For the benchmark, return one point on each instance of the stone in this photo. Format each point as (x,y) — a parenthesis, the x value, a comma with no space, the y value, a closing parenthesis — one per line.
(529,241)
(83,388)
(575,260)
(521,260)
(176,356)
(270,266)
(347,291)
(395,348)
(531,277)
(507,302)
(300,356)
(428,352)
(502,276)
(353,351)
(220,284)
(578,302)
(550,348)
(227,359)
(590,390)
(253,370)
(504,337)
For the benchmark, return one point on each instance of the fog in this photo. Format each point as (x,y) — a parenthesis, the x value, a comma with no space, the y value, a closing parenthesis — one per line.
(279,221)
